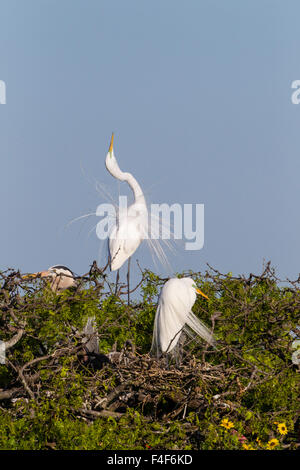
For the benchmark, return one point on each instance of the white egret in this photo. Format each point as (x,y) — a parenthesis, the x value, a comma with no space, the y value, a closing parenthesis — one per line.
(62,278)
(131,226)
(174,315)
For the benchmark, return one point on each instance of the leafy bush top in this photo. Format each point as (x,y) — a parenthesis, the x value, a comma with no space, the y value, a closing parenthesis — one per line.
(242,395)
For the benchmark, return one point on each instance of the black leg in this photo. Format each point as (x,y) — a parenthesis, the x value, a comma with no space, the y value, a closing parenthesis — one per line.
(117,281)
(128,275)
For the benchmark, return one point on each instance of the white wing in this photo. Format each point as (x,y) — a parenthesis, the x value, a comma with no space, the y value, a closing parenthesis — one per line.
(171,315)
(124,240)
(199,328)
(168,326)
(174,315)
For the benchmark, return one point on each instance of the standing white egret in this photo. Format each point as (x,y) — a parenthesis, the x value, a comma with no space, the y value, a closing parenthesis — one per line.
(131,226)
(174,315)
(62,278)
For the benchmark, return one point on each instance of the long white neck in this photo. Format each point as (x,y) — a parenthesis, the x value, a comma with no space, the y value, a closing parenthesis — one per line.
(114,169)
(136,189)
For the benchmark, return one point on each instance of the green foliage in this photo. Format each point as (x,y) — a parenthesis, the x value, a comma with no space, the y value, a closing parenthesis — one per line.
(49,430)
(249,380)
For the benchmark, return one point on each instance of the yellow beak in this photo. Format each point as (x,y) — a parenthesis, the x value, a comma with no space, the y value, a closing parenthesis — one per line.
(111,143)
(201,293)
(30,276)
(35,275)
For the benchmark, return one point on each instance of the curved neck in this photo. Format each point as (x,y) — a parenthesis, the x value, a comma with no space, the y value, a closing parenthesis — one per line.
(114,169)
(136,189)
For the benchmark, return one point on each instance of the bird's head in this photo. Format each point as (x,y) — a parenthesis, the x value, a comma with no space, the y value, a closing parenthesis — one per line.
(198,291)
(193,285)
(110,157)
(60,276)
(111,162)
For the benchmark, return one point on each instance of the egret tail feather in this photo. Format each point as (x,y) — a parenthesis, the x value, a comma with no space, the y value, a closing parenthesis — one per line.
(200,329)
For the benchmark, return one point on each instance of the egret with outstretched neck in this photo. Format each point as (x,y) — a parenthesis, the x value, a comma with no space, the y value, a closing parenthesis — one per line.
(131,225)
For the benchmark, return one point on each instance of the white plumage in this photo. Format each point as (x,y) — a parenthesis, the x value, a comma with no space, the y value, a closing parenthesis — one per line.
(174,315)
(132,223)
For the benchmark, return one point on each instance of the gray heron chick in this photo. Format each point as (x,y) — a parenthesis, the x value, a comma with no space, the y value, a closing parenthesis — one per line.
(62,278)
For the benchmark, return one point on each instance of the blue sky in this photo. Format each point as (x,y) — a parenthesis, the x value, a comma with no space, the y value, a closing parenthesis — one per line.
(198,94)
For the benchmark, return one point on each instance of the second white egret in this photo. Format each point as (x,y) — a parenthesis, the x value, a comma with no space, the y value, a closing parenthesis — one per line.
(174,315)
